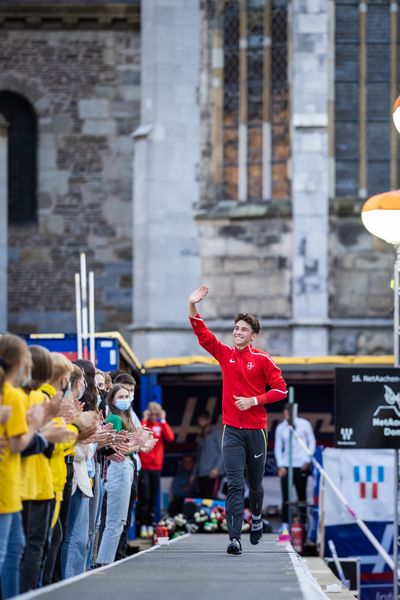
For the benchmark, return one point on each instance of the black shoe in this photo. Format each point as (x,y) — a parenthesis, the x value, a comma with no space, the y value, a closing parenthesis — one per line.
(235,547)
(256,531)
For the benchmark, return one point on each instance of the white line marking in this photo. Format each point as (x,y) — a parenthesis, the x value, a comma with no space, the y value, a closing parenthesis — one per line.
(60,584)
(308,585)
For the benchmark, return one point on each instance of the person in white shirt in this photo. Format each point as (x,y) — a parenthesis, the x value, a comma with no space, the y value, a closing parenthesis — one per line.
(300,460)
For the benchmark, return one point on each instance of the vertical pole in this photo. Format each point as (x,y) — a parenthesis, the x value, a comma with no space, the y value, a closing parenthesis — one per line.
(217,98)
(267,125)
(362,101)
(393,90)
(3,221)
(78,310)
(290,465)
(242,192)
(84,305)
(91,319)
(396,452)
(331,99)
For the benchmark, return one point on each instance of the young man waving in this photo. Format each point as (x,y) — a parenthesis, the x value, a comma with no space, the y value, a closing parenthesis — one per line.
(246,373)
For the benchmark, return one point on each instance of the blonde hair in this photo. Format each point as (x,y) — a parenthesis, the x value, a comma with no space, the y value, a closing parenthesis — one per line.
(61,366)
(77,373)
(13,350)
(154,406)
(108,381)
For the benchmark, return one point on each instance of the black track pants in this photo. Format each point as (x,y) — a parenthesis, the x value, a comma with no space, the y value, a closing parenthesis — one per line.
(245,454)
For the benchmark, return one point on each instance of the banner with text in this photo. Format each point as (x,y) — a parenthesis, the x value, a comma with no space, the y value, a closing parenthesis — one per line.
(367,408)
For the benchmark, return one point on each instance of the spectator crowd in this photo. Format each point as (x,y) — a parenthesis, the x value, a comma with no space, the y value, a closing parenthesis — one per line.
(75,460)
(73,454)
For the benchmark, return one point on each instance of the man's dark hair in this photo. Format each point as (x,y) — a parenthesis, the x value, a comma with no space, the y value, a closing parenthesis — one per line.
(113,374)
(125,379)
(250,319)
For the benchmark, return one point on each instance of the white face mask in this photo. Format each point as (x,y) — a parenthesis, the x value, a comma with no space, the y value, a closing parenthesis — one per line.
(123,404)
(81,392)
(132,395)
(98,402)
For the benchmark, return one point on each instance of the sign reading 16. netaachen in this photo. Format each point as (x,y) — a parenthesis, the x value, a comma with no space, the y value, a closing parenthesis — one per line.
(367,408)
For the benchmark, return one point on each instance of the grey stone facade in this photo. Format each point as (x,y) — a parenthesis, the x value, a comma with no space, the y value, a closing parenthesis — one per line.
(145,207)
(167,154)
(79,67)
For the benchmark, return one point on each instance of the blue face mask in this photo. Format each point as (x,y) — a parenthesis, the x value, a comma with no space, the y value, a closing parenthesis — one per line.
(123,404)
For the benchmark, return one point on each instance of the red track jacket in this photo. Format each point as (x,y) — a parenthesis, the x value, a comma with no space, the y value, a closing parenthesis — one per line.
(154,460)
(246,373)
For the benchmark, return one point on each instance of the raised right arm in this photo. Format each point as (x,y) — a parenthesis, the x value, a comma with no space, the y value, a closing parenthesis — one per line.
(206,338)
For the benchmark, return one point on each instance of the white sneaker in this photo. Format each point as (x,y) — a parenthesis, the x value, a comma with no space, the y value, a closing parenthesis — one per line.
(150,531)
(143,532)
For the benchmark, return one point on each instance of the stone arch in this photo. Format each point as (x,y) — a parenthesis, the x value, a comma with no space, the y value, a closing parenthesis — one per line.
(22,156)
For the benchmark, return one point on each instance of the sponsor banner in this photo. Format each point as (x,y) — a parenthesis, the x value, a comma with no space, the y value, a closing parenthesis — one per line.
(365,479)
(349,540)
(367,408)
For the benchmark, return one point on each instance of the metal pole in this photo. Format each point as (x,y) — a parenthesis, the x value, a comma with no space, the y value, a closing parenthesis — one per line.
(78,314)
(91,319)
(84,305)
(396,452)
(290,465)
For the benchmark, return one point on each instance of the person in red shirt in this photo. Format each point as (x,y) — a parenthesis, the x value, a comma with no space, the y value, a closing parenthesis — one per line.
(246,373)
(154,417)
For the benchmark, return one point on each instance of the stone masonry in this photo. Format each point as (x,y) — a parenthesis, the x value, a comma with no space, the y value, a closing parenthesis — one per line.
(81,73)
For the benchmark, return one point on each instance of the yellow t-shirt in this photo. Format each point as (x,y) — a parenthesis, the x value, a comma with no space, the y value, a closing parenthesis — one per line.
(57,461)
(10,464)
(37,479)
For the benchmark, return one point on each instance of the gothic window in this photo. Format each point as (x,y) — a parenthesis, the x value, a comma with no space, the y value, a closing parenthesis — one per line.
(22,149)
(366,86)
(255,130)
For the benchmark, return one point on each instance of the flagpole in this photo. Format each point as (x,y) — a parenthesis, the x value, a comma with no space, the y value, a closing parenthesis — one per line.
(85,333)
(78,315)
(396,357)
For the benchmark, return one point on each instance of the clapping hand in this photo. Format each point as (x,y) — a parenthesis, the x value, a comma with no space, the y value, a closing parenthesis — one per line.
(87,423)
(56,433)
(104,435)
(35,416)
(5,412)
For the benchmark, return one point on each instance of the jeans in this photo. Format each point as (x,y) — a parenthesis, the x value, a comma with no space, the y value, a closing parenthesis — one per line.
(118,488)
(52,565)
(149,485)
(95,505)
(123,542)
(36,516)
(73,551)
(12,541)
